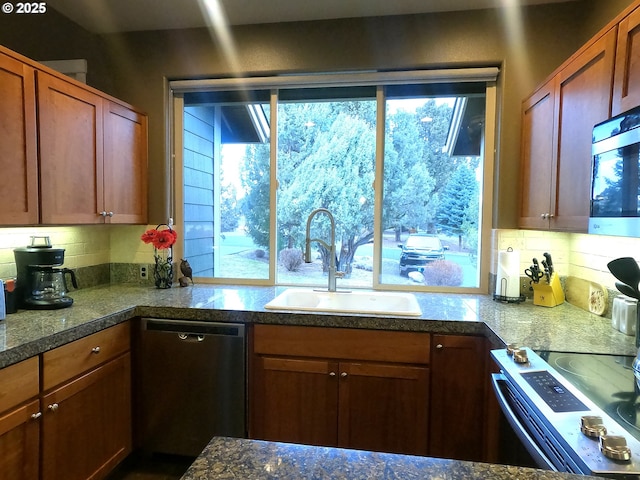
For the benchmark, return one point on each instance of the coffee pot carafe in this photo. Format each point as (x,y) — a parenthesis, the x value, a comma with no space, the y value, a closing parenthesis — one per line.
(49,287)
(40,284)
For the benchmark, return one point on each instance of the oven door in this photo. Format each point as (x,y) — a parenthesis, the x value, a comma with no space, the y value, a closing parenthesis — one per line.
(505,397)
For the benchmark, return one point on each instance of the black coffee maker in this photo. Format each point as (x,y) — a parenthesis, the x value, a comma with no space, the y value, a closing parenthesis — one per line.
(41,283)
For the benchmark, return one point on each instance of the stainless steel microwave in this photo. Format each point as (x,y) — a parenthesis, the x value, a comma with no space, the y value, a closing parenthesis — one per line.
(615,176)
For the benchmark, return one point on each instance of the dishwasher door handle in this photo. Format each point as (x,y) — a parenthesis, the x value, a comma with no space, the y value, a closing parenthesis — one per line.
(186,337)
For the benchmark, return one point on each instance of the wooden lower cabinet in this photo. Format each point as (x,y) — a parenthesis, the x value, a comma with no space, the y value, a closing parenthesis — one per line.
(344,394)
(86,423)
(78,427)
(383,407)
(19,425)
(459,381)
(295,400)
(20,442)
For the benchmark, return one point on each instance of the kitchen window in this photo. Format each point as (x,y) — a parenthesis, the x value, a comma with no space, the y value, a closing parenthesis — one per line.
(402,162)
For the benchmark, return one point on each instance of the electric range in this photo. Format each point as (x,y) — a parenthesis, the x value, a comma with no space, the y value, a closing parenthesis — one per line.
(573,412)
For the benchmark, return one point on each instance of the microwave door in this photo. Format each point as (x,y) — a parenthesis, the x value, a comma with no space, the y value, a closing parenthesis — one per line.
(630,180)
(606,188)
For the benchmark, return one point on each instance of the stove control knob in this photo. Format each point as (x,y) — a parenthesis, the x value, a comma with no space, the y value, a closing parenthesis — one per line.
(615,447)
(510,348)
(592,426)
(520,356)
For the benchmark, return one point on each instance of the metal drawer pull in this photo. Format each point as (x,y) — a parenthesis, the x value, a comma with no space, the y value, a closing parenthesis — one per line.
(95,350)
(332,374)
(343,374)
(53,407)
(35,416)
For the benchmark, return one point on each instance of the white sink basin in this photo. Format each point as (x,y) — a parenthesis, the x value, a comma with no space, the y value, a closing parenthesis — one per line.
(379,303)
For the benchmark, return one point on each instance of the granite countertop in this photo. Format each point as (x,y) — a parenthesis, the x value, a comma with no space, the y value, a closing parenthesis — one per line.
(564,328)
(231,458)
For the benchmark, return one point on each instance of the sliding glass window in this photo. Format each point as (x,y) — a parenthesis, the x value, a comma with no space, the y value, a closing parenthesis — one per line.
(400,167)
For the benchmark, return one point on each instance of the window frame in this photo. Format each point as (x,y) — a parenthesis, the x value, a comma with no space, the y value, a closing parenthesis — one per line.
(487,75)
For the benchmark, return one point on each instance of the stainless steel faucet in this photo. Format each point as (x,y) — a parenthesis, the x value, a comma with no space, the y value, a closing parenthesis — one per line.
(333,274)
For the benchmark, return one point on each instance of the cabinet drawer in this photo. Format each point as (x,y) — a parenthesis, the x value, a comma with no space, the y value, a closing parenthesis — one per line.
(71,360)
(339,343)
(18,383)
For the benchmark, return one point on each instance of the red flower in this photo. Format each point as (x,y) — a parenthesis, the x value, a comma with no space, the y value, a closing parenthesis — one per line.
(148,236)
(161,239)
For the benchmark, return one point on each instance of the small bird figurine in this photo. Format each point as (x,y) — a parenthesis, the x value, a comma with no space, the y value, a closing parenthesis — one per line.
(186,269)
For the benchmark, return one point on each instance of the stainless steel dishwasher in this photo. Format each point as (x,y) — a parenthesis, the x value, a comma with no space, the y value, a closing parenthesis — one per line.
(191,384)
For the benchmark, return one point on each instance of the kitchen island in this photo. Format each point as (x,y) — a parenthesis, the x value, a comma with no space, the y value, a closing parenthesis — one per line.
(564,328)
(232,458)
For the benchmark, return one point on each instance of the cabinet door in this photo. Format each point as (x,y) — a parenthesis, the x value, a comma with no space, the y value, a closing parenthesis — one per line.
(537,173)
(86,425)
(295,400)
(18,144)
(457,397)
(19,443)
(125,164)
(71,155)
(626,85)
(384,407)
(583,99)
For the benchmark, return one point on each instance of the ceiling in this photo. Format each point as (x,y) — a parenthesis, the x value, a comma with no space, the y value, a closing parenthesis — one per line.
(108,16)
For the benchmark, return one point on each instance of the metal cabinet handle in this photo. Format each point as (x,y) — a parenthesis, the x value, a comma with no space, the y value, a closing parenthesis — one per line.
(35,416)
(332,374)
(53,407)
(95,350)
(343,374)
(103,214)
(439,346)
(110,214)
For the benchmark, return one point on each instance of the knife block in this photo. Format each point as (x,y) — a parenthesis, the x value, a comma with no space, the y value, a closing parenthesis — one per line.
(548,294)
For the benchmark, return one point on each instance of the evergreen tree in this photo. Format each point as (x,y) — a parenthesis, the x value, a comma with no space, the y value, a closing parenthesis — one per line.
(457,196)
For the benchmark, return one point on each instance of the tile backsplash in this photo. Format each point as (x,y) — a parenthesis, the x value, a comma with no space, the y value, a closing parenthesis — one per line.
(579,255)
(85,246)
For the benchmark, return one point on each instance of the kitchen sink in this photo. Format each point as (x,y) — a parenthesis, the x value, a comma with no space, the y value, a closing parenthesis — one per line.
(379,303)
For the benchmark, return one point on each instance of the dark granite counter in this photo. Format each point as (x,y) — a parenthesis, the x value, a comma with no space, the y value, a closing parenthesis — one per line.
(563,328)
(228,458)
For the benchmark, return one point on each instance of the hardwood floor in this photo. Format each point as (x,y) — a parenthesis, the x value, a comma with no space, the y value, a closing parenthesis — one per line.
(156,467)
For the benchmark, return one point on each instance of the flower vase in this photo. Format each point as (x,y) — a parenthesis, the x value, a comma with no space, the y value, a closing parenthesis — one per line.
(163,271)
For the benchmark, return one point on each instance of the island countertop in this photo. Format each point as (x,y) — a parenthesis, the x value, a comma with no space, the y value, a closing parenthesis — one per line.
(232,458)
(564,328)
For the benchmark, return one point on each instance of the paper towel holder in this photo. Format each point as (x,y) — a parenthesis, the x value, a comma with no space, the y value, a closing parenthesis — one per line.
(502,297)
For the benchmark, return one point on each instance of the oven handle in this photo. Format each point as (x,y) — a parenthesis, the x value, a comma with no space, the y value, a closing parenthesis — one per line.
(529,443)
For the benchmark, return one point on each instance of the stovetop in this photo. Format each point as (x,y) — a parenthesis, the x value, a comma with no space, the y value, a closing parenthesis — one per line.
(555,393)
(607,380)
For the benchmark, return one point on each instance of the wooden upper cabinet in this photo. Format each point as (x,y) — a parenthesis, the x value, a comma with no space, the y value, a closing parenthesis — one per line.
(18,143)
(626,85)
(71,154)
(583,100)
(125,164)
(557,125)
(93,156)
(537,173)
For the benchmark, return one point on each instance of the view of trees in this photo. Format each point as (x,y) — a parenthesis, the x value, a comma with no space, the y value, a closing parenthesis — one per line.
(326,158)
